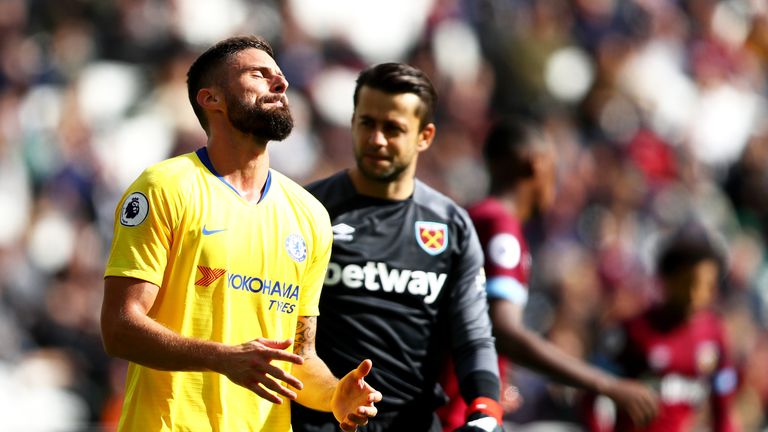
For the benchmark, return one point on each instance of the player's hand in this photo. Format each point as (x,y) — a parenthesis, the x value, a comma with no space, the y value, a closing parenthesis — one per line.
(511,399)
(638,400)
(250,366)
(353,398)
(483,415)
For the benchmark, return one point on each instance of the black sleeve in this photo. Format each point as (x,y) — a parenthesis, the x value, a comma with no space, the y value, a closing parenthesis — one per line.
(472,345)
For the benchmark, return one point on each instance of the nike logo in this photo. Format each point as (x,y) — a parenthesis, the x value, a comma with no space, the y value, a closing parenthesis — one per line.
(209,232)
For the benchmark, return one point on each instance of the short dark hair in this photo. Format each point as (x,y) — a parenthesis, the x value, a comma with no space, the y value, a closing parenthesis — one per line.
(396,78)
(507,150)
(204,69)
(687,246)
(509,138)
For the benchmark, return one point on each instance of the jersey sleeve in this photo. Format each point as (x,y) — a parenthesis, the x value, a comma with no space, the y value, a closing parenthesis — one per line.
(143,227)
(505,255)
(473,348)
(312,282)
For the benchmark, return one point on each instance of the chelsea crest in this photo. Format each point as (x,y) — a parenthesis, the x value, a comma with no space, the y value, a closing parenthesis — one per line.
(296,247)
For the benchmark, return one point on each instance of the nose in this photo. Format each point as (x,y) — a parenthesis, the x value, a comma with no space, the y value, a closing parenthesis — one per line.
(377,137)
(279,84)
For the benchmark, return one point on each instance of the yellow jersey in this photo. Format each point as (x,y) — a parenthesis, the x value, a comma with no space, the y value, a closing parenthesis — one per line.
(229,271)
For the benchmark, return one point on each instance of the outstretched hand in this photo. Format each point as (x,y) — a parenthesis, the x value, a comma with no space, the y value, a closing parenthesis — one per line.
(353,399)
(639,401)
(251,366)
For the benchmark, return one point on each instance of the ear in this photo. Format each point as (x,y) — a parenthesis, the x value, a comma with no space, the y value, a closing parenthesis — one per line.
(209,99)
(426,135)
(528,167)
(513,170)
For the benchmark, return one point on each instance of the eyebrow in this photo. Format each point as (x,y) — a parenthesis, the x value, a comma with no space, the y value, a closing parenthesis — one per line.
(268,69)
(384,121)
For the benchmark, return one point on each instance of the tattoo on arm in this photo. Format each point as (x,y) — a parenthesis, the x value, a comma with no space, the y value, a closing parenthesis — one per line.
(304,342)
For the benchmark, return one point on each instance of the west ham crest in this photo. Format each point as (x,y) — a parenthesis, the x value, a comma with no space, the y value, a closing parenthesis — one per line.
(432,236)
(707,355)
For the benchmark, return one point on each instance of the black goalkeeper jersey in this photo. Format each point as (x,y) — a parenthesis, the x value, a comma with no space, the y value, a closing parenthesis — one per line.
(405,288)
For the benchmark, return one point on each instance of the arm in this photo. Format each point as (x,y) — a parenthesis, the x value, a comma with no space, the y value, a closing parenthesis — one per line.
(129,333)
(472,345)
(724,385)
(530,350)
(721,400)
(350,399)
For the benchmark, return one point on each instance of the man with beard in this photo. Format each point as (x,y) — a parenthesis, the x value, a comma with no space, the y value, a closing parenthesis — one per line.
(405,284)
(216,272)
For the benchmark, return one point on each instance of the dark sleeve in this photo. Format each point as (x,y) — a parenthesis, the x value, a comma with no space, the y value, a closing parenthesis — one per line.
(472,345)
(628,358)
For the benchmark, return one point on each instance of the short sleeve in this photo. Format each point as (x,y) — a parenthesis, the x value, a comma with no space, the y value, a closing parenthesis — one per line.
(505,266)
(312,282)
(142,231)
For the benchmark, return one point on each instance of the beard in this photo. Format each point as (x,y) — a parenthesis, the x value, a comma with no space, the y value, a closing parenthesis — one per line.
(382,176)
(273,124)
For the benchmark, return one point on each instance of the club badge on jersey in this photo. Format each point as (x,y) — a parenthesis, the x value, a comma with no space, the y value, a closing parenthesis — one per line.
(432,236)
(296,247)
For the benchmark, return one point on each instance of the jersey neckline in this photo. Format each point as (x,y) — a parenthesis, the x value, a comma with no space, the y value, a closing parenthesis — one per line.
(202,154)
(372,199)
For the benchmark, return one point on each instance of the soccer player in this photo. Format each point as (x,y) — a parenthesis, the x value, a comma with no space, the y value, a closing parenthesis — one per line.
(405,284)
(521,164)
(216,268)
(678,345)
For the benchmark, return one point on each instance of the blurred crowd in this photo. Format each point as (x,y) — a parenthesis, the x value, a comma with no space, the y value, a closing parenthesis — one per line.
(657,109)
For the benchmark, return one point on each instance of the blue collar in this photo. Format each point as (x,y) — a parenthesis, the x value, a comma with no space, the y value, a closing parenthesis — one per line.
(202,153)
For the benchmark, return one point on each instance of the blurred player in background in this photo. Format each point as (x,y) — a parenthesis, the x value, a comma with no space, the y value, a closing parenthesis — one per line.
(678,345)
(521,163)
(216,268)
(405,284)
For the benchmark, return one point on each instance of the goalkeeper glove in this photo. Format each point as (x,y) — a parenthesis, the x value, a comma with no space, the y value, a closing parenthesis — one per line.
(483,415)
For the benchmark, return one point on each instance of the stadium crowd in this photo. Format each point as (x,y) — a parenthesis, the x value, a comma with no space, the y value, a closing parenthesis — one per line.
(657,109)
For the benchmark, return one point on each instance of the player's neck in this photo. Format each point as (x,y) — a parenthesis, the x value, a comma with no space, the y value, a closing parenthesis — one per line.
(242,161)
(515,203)
(396,190)
(670,316)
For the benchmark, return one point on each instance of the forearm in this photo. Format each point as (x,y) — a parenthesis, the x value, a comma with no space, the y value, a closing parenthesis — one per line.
(476,368)
(319,383)
(144,341)
(130,333)
(530,350)
(479,383)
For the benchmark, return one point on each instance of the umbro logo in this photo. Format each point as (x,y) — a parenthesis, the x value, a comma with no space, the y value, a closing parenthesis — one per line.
(213,231)
(343,232)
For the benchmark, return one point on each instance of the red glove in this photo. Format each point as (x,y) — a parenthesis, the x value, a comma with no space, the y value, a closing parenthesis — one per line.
(483,415)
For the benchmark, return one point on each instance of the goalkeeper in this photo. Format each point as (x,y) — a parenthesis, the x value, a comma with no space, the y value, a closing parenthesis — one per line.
(405,284)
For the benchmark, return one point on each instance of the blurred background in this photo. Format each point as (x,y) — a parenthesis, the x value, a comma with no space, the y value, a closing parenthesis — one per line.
(657,109)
